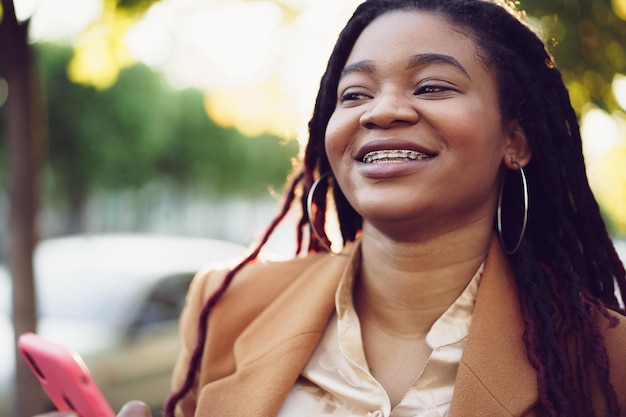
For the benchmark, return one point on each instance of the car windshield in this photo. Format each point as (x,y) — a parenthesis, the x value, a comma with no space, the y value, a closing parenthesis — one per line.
(100,297)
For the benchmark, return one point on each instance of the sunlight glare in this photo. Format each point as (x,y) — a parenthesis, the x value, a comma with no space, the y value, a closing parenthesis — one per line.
(24,9)
(150,40)
(604,147)
(599,133)
(619,89)
(62,20)
(211,44)
(240,42)
(260,71)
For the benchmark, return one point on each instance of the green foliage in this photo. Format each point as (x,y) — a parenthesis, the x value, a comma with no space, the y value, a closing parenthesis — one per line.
(588,45)
(139,131)
(136,6)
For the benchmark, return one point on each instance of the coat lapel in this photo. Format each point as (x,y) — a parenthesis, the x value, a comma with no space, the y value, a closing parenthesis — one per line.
(269,360)
(495,377)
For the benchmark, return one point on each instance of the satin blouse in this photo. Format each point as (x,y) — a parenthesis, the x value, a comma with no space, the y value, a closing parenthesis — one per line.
(337,382)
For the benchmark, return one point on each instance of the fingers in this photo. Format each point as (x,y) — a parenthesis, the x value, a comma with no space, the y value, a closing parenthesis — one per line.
(132,409)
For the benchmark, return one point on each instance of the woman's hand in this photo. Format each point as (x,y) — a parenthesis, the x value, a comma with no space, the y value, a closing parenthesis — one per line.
(130,409)
(135,409)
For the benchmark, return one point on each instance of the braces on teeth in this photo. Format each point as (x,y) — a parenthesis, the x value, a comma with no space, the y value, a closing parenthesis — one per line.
(394,156)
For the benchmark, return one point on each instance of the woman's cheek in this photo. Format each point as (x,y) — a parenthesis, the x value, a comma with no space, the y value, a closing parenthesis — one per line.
(341,131)
(334,144)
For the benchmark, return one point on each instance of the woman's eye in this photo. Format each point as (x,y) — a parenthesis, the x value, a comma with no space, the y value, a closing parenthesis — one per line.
(432,89)
(354,96)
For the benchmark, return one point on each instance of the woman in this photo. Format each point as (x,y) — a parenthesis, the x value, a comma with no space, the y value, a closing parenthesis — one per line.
(476,277)
(426,107)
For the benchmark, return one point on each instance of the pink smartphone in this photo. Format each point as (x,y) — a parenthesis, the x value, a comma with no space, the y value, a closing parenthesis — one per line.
(64,376)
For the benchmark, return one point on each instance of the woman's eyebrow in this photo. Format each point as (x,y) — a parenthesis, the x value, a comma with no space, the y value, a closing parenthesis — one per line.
(361,66)
(420,60)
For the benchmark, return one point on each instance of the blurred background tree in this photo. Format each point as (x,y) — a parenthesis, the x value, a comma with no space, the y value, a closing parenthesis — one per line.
(138,132)
(23,123)
(588,39)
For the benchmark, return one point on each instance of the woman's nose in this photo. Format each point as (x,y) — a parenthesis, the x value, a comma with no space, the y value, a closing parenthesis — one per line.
(388,110)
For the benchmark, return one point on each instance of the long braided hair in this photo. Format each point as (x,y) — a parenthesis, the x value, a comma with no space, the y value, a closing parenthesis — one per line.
(567,269)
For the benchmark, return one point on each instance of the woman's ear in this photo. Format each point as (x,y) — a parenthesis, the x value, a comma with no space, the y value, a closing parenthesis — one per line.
(517,146)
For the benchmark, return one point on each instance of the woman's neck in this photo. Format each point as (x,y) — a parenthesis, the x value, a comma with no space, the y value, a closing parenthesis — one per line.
(404,287)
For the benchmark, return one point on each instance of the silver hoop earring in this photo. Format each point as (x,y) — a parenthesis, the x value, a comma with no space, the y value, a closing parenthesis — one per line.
(499,212)
(309,211)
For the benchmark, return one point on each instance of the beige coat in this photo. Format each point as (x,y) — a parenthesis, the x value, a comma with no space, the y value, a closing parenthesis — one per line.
(264,328)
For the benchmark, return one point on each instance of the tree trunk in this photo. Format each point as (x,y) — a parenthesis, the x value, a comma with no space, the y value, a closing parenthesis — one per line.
(22,117)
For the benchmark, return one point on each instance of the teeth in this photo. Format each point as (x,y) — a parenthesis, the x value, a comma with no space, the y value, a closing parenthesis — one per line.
(398,155)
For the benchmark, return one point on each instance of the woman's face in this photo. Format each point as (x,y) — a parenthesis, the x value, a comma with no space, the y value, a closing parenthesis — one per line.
(416,138)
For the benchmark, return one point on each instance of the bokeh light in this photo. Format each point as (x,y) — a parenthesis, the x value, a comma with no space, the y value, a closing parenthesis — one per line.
(100,51)
(619,89)
(619,7)
(604,146)
(258,62)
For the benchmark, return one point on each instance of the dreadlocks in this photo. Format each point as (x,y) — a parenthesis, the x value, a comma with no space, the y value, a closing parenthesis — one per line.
(566,268)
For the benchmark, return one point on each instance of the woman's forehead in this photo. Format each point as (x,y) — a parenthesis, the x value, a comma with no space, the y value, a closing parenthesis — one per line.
(404,34)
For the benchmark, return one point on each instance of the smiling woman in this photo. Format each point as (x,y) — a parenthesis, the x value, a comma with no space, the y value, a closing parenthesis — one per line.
(476,276)
(458,284)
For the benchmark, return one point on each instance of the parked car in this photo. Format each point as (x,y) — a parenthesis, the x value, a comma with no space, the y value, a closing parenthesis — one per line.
(115,300)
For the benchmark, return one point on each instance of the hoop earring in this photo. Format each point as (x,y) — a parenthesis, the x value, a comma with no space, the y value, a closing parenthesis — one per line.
(499,212)
(309,210)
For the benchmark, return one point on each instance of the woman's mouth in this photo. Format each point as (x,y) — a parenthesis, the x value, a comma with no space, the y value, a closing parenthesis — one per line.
(393,156)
